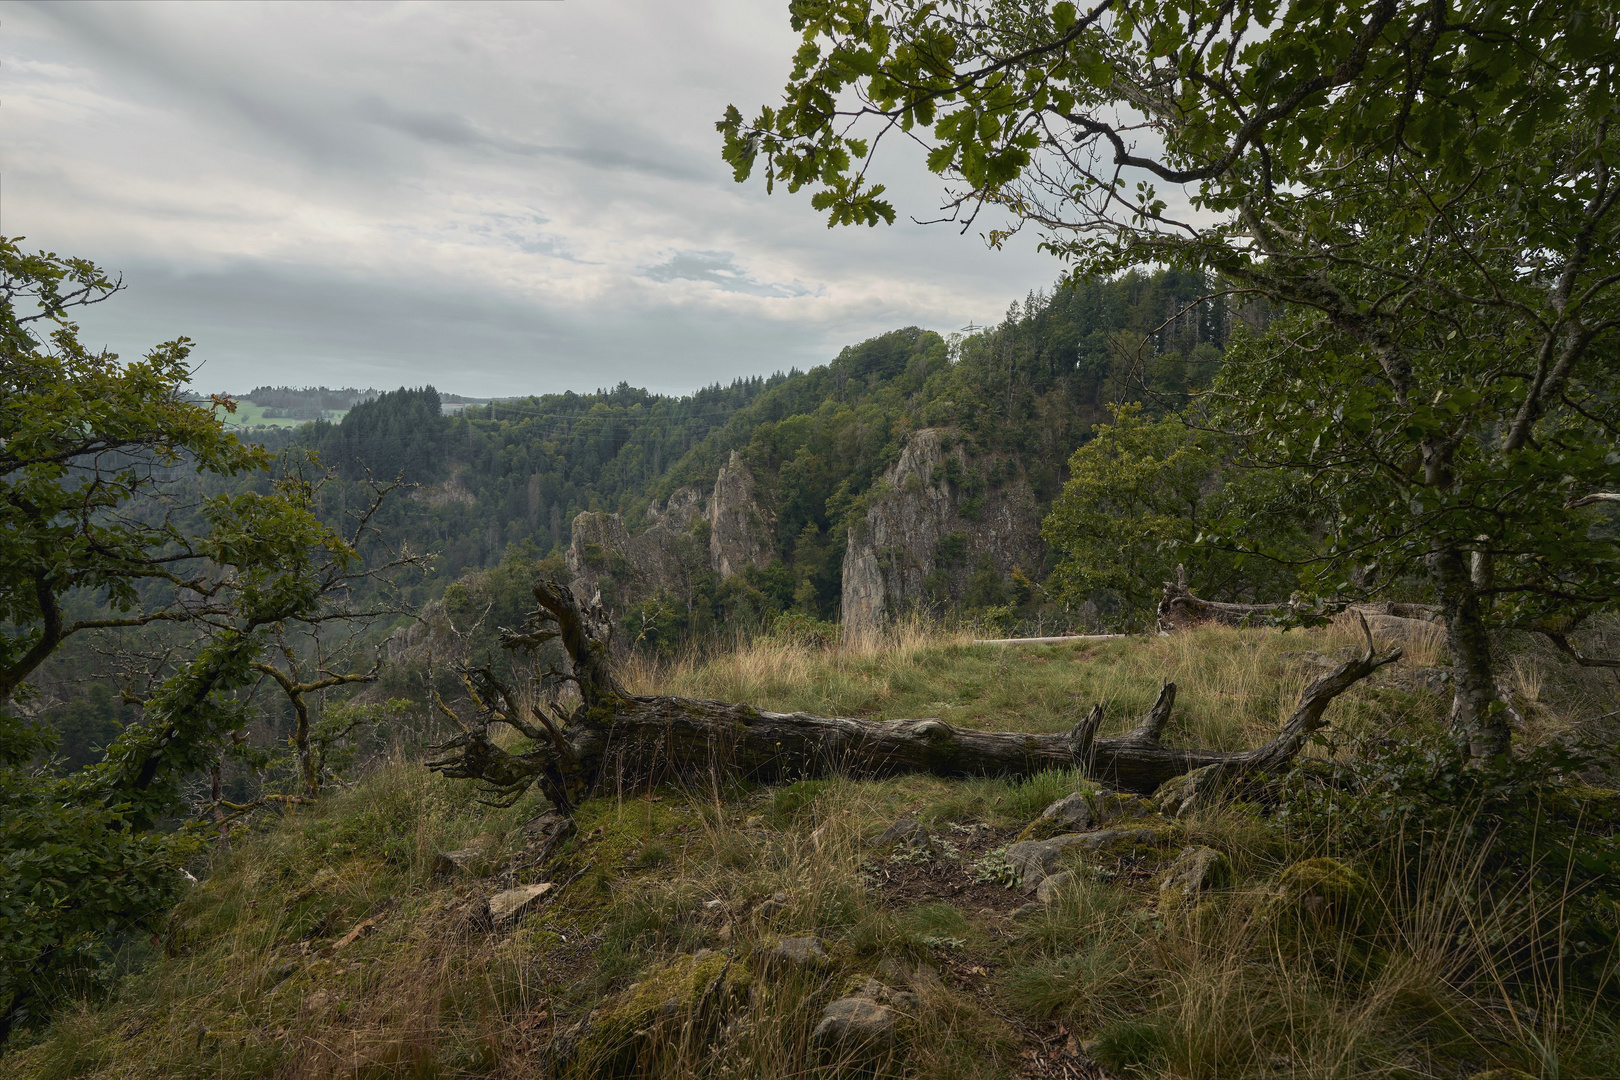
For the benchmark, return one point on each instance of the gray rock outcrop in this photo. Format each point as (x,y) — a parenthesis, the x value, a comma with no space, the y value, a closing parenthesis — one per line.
(797,951)
(865,1022)
(739,531)
(1195,870)
(935,517)
(509,906)
(687,536)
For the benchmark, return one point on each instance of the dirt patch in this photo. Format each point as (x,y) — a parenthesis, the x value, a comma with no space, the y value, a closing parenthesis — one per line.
(946,875)
(1052,1052)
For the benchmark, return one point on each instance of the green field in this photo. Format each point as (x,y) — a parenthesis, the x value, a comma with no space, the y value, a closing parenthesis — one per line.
(249,415)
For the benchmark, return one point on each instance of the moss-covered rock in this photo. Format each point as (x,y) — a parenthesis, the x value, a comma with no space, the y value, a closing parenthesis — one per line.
(625,1034)
(1325,907)
(1190,792)
(1085,810)
(1578,800)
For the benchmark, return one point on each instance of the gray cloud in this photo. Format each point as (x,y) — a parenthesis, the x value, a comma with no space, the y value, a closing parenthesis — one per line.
(717,268)
(495,198)
(253,325)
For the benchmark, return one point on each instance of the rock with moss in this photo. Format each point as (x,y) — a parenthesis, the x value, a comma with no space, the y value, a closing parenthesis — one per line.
(907,833)
(1190,792)
(804,951)
(1325,906)
(1579,800)
(866,1022)
(1049,889)
(1082,811)
(1036,860)
(1196,871)
(622,1036)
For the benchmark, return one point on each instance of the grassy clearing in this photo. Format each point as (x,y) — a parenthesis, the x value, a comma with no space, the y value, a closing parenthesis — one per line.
(1279,975)
(1233,686)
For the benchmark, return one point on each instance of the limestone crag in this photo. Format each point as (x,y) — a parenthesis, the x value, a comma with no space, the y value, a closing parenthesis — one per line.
(739,531)
(688,536)
(937,517)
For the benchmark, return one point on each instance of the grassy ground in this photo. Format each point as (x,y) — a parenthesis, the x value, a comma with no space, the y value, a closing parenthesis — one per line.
(260,973)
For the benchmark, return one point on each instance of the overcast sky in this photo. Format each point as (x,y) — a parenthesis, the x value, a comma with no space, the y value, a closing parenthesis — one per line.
(496,199)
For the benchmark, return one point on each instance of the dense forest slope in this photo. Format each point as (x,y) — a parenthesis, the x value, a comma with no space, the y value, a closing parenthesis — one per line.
(814,458)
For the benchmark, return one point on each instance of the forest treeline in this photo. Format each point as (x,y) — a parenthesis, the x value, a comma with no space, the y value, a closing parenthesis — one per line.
(516,472)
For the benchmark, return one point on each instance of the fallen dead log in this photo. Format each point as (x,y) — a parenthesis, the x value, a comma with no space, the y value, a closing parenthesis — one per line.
(1179,609)
(616,740)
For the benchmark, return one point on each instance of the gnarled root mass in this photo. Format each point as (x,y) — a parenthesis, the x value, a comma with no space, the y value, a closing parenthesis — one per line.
(614,739)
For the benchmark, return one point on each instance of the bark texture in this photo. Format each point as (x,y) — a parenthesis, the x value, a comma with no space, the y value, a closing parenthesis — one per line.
(613,739)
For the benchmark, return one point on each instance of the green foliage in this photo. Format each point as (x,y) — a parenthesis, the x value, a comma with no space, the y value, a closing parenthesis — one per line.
(399,433)
(1360,452)
(1140,496)
(87,443)
(1133,504)
(1545,840)
(1429,191)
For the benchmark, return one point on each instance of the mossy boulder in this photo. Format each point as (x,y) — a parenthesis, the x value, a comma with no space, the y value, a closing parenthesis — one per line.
(1036,860)
(1190,792)
(1578,800)
(623,1035)
(1323,902)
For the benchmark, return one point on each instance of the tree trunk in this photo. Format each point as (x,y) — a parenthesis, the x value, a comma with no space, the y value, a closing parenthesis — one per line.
(1478,717)
(617,741)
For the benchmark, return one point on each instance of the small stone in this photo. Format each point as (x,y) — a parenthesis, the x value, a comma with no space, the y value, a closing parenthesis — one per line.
(1195,870)
(1050,887)
(714,907)
(1072,812)
(905,832)
(513,904)
(803,951)
(855,1025)
(465,861)
(893,970)
(905,1001)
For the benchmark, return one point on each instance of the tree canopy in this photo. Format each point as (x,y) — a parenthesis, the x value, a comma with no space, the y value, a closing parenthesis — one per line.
(1428,189)
(91,520)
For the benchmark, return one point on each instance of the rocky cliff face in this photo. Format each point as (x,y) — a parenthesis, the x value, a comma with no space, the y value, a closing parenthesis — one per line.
(689,535)
(739,531)
(939,516)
